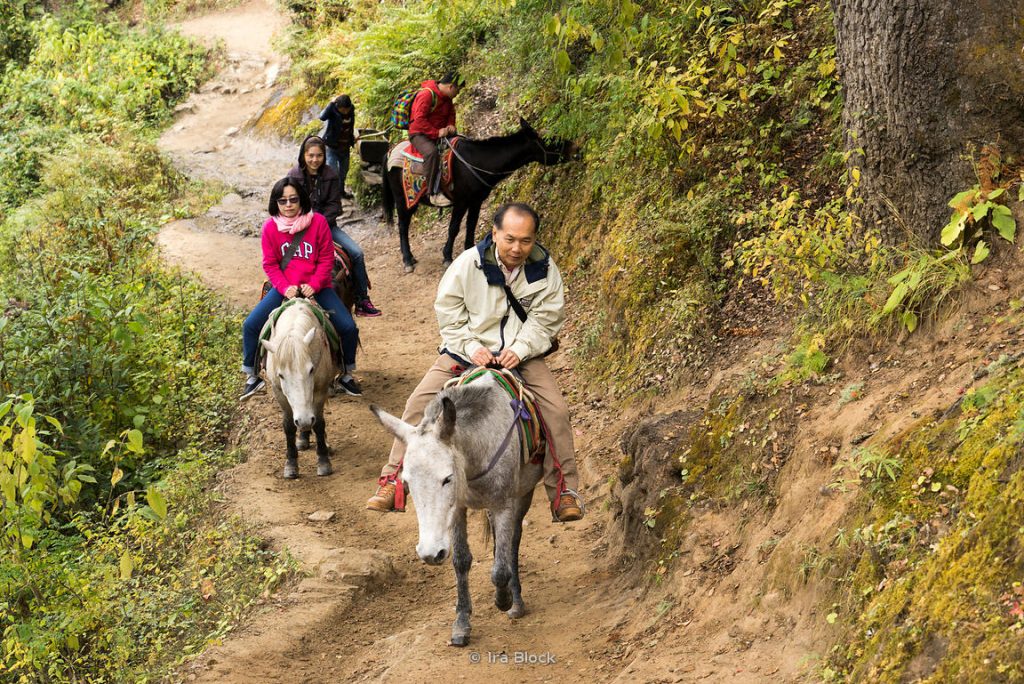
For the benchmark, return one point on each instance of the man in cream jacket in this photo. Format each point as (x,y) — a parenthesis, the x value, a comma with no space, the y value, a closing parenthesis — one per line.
(479,327)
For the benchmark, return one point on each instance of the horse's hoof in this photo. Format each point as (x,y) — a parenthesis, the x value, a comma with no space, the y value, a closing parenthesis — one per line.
(503,599)
(460,640)
(446,263)
(409,268)
(323,467)
(291,470)
(302,442)
(517,610)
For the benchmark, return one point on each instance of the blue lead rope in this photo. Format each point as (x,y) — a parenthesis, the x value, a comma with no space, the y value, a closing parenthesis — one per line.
(520,412)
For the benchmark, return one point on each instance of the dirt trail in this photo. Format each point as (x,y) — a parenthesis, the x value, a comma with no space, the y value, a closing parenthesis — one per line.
(366,609)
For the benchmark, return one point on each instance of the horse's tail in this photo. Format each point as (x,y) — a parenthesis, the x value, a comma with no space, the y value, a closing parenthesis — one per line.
(488,531)
(389,198)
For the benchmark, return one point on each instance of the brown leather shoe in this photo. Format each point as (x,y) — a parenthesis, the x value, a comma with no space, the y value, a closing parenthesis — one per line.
(569,509)
(384,499)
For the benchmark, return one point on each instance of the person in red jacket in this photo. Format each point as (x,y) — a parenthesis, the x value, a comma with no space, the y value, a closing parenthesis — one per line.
(432,116)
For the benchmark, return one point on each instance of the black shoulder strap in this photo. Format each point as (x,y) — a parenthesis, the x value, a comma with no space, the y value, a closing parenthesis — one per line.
(514,303)
(292,247)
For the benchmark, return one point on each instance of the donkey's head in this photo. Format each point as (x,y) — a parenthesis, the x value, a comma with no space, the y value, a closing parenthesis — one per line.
(549,152)
(291,370)
(434,471)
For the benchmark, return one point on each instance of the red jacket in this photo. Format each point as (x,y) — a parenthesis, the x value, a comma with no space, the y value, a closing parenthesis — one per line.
(427,122)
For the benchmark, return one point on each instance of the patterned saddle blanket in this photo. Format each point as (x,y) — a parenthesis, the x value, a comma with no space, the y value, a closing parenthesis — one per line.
(414,184)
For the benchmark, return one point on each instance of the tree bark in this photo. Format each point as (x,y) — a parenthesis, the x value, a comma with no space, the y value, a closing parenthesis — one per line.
(925,84)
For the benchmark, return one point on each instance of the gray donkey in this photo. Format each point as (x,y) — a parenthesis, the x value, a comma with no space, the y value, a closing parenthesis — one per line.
(466,453)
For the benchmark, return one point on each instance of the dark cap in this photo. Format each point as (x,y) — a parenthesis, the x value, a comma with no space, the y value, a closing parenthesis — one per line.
(453,78)
(343,101)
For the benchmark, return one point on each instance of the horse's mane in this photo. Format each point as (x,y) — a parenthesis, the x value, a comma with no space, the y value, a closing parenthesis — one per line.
(296,320)
(497,140)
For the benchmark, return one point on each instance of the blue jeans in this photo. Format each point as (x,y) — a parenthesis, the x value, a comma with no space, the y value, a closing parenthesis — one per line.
(338,157)
(360,279)
(326,298)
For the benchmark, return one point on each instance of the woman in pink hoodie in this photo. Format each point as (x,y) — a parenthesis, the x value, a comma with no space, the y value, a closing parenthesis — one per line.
(307,274)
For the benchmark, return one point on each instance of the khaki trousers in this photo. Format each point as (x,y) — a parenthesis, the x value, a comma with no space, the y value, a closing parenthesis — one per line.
(552,407)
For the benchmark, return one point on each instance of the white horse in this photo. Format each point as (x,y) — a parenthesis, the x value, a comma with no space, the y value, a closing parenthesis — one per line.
(466,453)
(299,368)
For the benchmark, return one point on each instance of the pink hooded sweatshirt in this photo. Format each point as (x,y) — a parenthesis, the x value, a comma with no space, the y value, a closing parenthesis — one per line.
(312,262)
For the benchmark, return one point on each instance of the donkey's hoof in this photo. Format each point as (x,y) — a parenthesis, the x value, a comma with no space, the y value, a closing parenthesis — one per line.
(517,610)
(291,470)
(323,467)
(446,263)
(503,599)
(302,441)
(460,639)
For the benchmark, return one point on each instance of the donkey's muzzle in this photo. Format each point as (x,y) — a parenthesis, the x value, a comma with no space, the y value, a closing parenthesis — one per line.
(434,558)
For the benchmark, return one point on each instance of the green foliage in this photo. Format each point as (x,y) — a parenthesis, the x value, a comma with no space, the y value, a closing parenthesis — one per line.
(807,361)
(85,77)
(163,10)
(15,31)
(114,565)
(691,116)
(32,482)
(936,550)
(796,247)
(921,288)
(970,208)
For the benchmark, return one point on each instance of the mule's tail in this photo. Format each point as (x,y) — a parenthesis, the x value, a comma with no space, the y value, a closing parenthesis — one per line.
(488,531)
(389,197)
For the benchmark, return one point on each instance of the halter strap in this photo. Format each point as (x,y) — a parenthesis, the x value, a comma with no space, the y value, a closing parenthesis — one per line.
(519,413)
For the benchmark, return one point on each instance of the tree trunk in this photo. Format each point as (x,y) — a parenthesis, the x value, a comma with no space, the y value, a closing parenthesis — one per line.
(926,83)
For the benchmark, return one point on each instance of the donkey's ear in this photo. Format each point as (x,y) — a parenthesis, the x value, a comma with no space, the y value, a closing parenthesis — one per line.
(524,124)
(445,425)
(309,336)
(272,348)
(396,426)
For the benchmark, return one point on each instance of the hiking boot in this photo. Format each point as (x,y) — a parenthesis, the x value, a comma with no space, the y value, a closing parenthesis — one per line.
(349,387)
(252,386)
(366,308)
(440,200)
(569,508)
(384,499)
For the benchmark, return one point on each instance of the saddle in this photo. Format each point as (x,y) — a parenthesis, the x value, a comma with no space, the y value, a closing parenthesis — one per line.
(531,423)
(268,328)
(414,184)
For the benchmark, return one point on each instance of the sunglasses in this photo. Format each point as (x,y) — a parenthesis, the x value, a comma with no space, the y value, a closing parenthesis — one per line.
(281,201)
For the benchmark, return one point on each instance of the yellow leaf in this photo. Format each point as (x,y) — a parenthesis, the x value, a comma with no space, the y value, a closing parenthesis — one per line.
(126,565)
